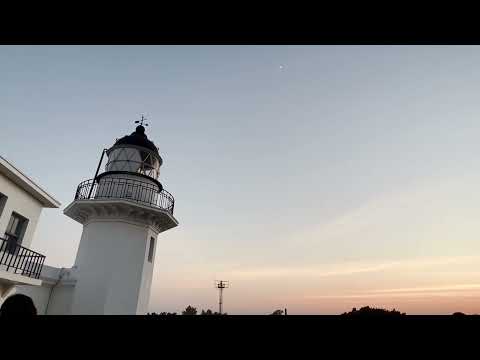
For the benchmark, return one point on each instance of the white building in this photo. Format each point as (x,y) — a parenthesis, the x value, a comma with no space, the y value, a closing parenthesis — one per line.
(21,202)
(122,211)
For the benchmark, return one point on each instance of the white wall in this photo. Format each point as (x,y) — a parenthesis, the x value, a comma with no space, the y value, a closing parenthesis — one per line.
(110,267)
(22,203)
(53,297)
(61,300)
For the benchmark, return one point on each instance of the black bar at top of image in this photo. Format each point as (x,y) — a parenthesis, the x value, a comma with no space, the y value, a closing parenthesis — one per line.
(294,33)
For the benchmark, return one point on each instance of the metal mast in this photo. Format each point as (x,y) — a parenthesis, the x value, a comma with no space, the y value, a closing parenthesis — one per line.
(220,285)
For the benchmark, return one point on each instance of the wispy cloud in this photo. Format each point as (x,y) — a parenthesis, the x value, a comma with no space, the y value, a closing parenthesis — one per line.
(453,290)
(429,289)
(433,213)
(350,268)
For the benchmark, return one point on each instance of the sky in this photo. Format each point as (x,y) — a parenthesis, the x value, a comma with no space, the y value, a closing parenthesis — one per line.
(313,178)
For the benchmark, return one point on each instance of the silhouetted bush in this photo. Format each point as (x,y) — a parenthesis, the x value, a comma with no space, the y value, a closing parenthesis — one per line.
(368,311)
(162,313)
(189,310)
(210,312)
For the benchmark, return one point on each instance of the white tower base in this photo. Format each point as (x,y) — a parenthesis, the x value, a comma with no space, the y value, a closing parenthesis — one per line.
(116,255)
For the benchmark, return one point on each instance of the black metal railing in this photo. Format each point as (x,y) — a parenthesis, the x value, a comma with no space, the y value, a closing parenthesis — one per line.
(19,259)
(128,189)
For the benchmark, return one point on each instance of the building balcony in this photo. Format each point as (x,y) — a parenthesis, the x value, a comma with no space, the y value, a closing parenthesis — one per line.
(18,265)
(123,188)
(17,259)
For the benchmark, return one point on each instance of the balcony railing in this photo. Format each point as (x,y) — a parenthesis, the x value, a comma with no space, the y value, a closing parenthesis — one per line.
(126,189)
(19,259)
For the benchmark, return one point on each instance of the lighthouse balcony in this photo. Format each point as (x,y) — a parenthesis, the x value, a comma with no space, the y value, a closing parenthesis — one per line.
(133,189)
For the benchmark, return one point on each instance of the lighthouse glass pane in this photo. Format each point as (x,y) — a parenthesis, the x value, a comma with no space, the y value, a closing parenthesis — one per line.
(124,159)
(112,160)
(147,159)
(133,160)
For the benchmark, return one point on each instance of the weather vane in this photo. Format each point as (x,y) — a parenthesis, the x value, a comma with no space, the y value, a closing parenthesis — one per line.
(141,121)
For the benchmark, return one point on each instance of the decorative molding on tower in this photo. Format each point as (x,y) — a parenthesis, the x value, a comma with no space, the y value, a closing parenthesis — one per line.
(86,210)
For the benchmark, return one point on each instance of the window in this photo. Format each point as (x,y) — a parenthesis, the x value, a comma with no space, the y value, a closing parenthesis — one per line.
(3,201)
(16,229)
(150,250)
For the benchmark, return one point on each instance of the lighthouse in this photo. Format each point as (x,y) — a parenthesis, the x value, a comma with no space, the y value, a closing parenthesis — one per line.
(123,209)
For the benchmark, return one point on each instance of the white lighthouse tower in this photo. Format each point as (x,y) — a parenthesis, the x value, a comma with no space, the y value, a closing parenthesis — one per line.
(122,211)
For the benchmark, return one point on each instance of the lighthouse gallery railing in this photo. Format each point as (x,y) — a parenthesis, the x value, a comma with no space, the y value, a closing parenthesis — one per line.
(127,189)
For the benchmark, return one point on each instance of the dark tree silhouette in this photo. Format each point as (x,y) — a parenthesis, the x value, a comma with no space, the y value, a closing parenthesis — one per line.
(458,313)
(277,312)
(369,311)
(189,310)
(210,312)
(162,313)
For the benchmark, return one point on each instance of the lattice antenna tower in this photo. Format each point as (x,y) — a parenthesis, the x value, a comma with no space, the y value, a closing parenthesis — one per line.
(220,285)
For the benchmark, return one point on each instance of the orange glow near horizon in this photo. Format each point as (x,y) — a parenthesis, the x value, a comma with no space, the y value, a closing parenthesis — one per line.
(440,285)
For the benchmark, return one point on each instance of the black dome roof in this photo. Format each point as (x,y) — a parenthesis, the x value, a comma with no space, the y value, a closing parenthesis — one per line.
(138,138)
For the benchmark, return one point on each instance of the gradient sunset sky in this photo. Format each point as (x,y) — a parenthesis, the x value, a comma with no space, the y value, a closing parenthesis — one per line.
(316,178)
